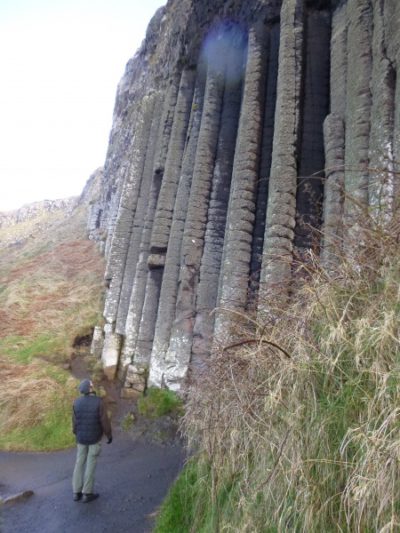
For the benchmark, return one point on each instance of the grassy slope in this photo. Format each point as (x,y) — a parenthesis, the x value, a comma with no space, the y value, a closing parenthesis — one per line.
(50,290)
(309,442)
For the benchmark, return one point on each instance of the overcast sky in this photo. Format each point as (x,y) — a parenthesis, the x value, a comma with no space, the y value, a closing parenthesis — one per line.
(60,61)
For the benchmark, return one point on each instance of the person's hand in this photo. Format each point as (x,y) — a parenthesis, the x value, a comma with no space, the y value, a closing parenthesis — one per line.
(109,441)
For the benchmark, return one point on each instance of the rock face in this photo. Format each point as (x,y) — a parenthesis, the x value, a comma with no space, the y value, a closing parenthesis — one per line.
(31,220)
(35,210)
(241,129)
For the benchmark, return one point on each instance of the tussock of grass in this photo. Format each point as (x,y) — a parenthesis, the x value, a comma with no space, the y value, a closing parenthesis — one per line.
(159,402)
(309,442)
(25,350)
(178,512)
(35,407)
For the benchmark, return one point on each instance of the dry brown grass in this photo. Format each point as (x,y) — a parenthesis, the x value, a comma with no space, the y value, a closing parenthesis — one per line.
(307,438)
(23,382)
(50,292)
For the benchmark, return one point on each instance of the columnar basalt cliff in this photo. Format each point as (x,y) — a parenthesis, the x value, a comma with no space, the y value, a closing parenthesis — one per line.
(244,134)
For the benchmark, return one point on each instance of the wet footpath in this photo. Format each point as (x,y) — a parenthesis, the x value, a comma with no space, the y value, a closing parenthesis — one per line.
(132,478)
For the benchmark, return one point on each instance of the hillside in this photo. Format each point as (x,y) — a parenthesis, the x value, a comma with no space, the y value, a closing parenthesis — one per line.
(50,296)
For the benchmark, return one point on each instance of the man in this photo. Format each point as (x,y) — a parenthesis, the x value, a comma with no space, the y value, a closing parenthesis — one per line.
(89,422)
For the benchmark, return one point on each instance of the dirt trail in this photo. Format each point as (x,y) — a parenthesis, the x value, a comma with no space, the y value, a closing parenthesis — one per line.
(133,476)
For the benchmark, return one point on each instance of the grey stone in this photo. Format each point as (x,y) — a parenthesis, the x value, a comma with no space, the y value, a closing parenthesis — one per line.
(235,148)
(111,353)
(97,344)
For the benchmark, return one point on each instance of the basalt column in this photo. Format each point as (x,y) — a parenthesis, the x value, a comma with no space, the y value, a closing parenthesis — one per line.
(217,212)
(112,200)
(116,169)
(179,351)
(126,211)
(281,211)
(121,237)
(234,277)
(137,228)
(358,117)
(392,20)
(117,174)
(167,302)
(315,107)
(169,186)
(334,140)
(396,141)
(147,214)
(265,165)
(172,169)
(381,164)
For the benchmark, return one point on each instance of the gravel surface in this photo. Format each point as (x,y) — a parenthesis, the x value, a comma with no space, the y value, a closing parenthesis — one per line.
(132,478)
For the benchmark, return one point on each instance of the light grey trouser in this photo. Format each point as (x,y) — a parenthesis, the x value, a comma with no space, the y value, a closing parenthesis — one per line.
(85,466)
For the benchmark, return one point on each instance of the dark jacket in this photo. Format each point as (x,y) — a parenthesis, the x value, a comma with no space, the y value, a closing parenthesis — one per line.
(90,419)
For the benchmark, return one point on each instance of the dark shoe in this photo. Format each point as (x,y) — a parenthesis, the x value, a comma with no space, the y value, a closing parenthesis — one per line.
(86,498)
(77,496)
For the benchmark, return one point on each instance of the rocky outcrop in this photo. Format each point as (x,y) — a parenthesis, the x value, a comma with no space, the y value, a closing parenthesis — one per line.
(244,135)
(35,210)
(32,220)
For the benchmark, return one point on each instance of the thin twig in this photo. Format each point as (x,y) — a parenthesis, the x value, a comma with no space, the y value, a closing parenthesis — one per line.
(250,341)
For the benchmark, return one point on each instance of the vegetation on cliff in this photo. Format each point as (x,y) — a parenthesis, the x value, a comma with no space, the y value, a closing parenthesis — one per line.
(50,294)
(303,434)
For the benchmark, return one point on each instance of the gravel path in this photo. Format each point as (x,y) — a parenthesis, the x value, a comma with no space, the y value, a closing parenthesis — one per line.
(132,478)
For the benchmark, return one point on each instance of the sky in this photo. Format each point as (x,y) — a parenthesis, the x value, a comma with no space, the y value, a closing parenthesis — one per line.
(60,61)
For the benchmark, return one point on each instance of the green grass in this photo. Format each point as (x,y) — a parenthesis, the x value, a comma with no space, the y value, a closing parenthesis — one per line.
(178,512)
(159,402)
(190,505)
(53,433)
(50,293)
(45,422)
(128,422)
(24,349)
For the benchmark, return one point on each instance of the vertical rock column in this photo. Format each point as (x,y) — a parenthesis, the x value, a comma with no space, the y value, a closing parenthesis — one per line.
(234,277)
(122,237)
(358,117)
(169,288)
(381,178)
(144,213)
(154,270)
(169,185)
(138,219)
(396,142)
(265,165)
(315,107)
(111,351)
(179,351)
(126,211)
(114,198)
(334,139)
(217,212)
(116,169)
(281,212)
(392,24)
(332,233)
(128,201)
(172,169)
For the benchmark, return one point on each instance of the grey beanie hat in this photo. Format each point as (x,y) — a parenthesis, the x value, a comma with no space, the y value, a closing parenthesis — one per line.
(84,386)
